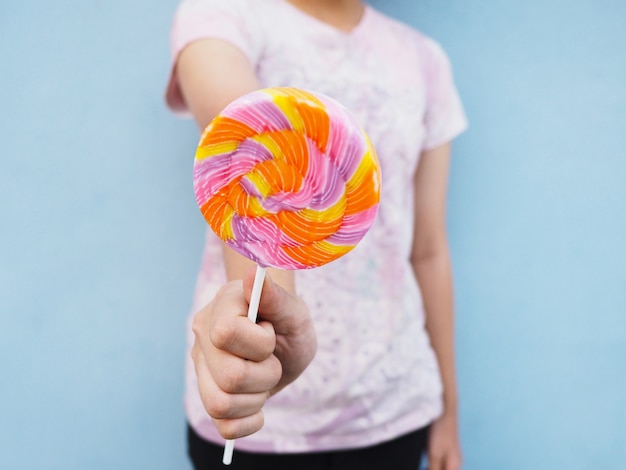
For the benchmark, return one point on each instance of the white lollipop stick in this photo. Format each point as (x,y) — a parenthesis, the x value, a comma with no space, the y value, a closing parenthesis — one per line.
(228,452)
(255,297)
(253,309)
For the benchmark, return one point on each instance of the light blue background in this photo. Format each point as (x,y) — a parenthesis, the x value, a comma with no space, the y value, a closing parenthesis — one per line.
(100,235)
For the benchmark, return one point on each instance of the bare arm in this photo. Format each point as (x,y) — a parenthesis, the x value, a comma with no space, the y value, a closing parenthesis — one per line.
(212,73)
(431,262)
(240,364)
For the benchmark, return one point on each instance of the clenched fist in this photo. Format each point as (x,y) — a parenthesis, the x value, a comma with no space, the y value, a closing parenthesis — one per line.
(241,364)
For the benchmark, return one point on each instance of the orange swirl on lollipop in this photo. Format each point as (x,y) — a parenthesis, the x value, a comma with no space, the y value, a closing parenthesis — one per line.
(287,178)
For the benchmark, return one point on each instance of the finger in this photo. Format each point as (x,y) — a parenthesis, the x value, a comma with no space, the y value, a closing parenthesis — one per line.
(223,324)
(435,463)
(233,374)
(239,336)
(221,405)
(237,428)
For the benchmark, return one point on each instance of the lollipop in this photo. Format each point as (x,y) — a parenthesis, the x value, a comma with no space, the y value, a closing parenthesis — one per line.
(288,179)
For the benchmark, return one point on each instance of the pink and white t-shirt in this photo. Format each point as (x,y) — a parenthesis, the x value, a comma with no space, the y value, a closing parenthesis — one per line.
(375,375)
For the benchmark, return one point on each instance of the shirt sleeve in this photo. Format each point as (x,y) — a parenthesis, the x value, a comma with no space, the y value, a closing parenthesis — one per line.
(445,117)
(229,20)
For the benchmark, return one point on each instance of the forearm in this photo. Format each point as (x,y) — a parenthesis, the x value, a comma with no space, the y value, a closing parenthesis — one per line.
(434,275)
(237,265)
(212,73)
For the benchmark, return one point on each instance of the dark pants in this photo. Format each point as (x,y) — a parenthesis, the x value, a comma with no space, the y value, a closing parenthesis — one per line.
(403,453)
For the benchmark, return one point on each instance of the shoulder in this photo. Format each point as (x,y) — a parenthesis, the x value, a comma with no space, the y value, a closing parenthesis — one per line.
(249,18)
(236,21)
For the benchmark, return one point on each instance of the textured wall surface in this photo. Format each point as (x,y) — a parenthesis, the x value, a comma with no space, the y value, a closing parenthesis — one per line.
(100,235)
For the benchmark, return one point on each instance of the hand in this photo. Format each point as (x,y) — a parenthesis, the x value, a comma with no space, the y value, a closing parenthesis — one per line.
(444,450)
(240,364)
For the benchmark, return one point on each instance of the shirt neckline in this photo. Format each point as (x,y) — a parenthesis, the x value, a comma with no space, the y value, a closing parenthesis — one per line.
(322,24)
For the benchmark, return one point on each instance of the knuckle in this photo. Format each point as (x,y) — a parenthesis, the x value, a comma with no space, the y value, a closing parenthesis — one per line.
(223,334)
(219,406)
(197,324)
(195,352)
(233,377)
(228,430)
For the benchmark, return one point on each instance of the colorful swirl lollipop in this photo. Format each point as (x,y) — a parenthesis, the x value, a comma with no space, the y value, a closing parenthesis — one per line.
(288,179)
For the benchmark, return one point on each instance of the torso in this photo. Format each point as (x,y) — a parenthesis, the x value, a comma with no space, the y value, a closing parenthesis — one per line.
(375,375)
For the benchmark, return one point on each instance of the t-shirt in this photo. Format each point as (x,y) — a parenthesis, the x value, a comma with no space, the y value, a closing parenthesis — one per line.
(375,375)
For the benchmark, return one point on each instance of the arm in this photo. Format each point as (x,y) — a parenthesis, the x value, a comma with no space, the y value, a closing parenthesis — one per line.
(240,364)
(212,73)
(430,258)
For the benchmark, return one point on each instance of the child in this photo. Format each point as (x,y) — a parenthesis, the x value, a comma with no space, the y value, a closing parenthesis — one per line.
(351,365)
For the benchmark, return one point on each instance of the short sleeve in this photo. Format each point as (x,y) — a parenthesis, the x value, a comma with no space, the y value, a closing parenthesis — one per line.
(444,117)
(229,20)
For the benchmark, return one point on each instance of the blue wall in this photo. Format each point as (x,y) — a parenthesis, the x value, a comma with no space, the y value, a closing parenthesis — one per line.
(100,235)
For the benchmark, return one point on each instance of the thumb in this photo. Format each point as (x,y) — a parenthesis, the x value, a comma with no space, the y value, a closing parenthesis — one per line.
(276,305)
(270,293)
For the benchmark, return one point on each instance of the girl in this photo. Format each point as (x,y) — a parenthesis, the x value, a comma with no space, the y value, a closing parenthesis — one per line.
(351,365)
